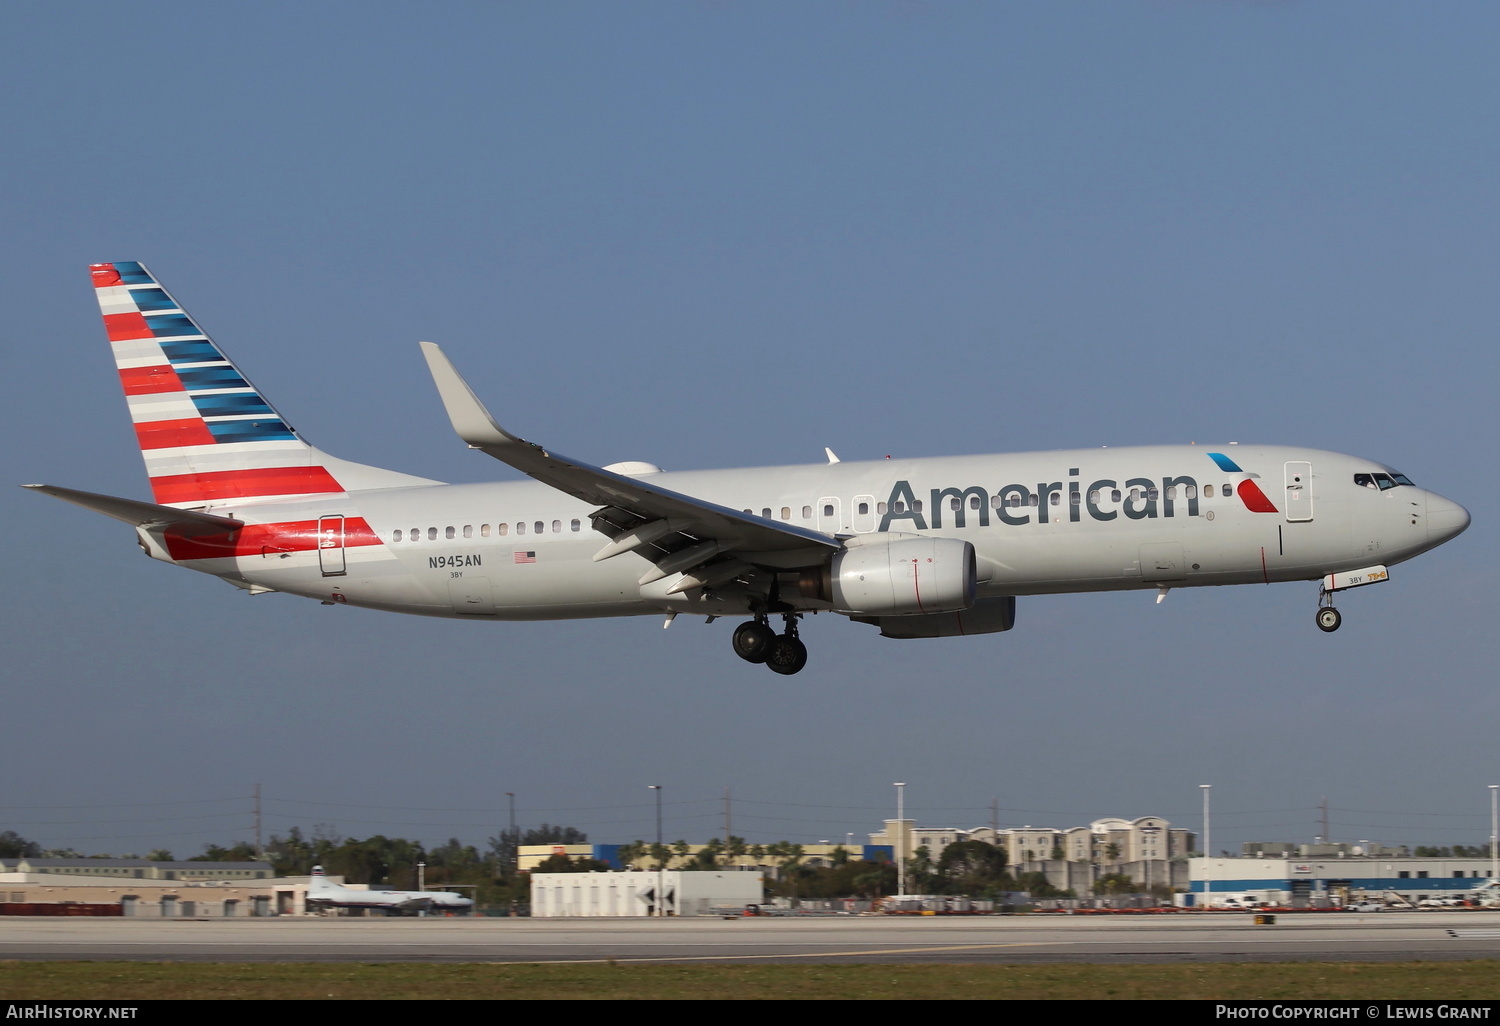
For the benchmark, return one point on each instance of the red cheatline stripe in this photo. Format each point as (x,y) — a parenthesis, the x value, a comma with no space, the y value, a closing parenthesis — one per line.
(104,275)
(241,484)
(1254,499)
(266,540)
(166,434)
(124,326)
(147,380)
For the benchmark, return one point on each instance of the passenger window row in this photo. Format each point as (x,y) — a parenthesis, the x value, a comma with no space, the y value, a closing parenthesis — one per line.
(485,531)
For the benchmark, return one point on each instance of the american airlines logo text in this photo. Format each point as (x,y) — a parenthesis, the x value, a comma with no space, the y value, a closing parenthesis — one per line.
(1138,498)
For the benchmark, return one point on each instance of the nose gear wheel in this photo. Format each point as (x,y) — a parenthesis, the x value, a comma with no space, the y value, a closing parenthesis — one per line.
(1328,618)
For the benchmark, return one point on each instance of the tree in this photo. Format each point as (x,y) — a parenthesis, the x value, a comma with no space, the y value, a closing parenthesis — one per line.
(243,851)
(1115,883)
(972,867)
(628,854)
(549,834)
(563,864)
(14,846)
(505,847)
(707,856)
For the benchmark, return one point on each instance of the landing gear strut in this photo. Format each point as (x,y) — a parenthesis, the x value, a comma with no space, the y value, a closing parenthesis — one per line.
(755,642)
(788,655)
(1328,617)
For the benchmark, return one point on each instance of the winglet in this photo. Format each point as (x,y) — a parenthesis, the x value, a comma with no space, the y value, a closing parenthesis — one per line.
(467,414)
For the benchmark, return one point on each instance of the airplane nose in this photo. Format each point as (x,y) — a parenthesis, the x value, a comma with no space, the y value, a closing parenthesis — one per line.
(1445,518)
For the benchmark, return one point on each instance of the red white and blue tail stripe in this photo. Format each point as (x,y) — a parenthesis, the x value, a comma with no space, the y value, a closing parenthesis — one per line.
(207,435)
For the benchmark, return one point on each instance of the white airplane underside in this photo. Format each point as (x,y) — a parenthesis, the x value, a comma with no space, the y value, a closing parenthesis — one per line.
(920,548)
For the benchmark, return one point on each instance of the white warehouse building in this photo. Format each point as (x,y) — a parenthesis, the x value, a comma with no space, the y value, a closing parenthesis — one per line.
(1316,881)
(640,893)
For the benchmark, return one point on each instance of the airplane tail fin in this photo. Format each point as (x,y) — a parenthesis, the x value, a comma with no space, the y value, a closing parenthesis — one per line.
(319,882)
(207,435)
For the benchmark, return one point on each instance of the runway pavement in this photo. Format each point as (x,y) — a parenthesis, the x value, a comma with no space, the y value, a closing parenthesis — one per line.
(1228,937)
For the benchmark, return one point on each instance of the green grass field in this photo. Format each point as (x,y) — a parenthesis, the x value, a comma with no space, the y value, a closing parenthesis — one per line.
(1475,980)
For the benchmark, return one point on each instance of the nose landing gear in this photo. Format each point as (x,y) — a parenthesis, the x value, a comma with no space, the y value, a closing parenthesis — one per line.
(1328,618)
(755,642)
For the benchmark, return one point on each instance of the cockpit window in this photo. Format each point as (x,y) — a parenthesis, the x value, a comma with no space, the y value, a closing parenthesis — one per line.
(1381,481)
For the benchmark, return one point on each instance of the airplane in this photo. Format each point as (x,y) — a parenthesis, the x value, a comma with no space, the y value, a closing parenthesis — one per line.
(919,548)
(324,893)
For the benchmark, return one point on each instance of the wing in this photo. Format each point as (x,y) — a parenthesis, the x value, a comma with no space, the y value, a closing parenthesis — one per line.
(706,542)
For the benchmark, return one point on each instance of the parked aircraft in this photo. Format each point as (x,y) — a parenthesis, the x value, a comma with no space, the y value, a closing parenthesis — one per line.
(324,893)
(919,548)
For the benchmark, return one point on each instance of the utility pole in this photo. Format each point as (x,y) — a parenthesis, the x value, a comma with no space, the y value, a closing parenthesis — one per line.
(661,891)
(1208,837)
(515,839)
(1494,835)
(901,838)
(260,849)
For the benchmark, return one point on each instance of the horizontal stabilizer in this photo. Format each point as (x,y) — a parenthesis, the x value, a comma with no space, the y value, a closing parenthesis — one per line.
(143,514)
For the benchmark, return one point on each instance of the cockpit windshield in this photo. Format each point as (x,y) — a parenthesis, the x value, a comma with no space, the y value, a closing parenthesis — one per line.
(1381,481)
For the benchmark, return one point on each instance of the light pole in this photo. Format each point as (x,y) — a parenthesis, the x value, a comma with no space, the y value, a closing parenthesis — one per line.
(515,859)
(900,838)
(660,862)
(1208,837)
(1494,834)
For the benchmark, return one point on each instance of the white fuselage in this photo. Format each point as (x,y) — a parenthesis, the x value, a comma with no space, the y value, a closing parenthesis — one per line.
(1044,522)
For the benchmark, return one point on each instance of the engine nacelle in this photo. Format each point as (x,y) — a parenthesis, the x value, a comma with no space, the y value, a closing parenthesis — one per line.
(987,616)
(903,576)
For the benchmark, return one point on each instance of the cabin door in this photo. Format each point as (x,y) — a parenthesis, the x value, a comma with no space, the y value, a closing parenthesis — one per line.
(1299,491)
(331,546)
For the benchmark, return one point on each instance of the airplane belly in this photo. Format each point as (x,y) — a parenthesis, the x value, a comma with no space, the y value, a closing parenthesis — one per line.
(562,583)
(1057,560)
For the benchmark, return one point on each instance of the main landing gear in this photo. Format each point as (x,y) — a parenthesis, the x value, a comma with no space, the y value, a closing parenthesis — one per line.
(756,642)
(1328,617)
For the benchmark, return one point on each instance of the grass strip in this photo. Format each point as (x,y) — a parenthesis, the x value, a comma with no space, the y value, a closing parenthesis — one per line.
(1364,981)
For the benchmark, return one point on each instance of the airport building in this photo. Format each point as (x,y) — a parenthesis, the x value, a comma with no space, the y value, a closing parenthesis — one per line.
(141,869)
(1147,849)
(140,888)
(145,889)
(1315,882)
(642,894)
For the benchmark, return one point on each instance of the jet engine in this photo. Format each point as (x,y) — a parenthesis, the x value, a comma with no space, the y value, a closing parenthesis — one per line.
(987,616)
(896,576)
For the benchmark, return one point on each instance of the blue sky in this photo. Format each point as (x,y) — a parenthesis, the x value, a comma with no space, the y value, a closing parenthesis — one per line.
(728,234)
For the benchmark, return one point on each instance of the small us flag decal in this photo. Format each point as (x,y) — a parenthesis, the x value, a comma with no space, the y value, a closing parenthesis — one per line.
(525,557)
